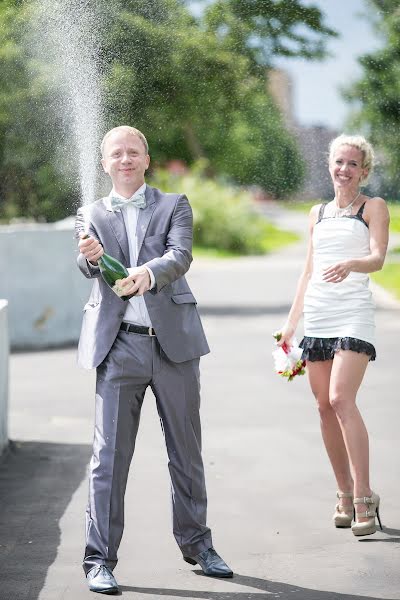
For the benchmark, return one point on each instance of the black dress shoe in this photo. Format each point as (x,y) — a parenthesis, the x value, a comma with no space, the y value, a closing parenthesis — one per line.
(211,563)
(100,579)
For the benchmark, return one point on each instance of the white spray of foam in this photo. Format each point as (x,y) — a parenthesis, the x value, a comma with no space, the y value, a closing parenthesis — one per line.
(67,37)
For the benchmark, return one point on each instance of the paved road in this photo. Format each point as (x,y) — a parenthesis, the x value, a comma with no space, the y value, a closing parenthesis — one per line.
(271,492)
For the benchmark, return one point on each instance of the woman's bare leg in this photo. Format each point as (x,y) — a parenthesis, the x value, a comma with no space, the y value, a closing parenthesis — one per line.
(319,374)
(347,373)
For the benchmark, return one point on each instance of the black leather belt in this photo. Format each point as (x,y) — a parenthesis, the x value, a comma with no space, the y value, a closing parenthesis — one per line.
(131,328)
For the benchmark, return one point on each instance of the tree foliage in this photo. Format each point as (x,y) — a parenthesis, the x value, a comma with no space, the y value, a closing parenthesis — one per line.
(30,182)
(376,96)
(195,85)
(264,29)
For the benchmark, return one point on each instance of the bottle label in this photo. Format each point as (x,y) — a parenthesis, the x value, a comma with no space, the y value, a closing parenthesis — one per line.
(118,289)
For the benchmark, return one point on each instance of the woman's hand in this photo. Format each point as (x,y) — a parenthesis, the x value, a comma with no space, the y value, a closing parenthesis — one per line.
(286,334)
(337,273)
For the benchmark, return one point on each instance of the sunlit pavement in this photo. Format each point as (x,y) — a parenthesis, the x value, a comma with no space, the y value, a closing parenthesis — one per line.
(271,492)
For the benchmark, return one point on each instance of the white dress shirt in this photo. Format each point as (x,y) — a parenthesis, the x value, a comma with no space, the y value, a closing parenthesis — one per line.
(136,311)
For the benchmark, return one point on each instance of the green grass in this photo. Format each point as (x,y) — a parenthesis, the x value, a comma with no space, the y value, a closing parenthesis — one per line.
(389,278)
(304,207)
(224,221)
(394,210)
(273,240)
(199,252)
(277,238)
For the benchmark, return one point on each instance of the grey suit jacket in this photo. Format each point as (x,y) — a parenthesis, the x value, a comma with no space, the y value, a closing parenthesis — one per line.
(164,232)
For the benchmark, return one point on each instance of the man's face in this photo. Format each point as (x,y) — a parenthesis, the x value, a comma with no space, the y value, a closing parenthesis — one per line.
(125,161)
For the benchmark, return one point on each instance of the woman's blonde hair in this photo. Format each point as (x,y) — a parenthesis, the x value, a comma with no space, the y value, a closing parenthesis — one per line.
(359,142)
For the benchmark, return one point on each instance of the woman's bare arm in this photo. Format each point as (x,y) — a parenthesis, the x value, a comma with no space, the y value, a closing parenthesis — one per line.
(377,217)
(296,310)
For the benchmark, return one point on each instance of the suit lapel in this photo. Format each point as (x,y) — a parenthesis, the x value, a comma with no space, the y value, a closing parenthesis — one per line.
(144,217)
(117,225)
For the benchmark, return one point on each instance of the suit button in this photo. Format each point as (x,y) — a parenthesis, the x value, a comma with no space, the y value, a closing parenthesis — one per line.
(121,315)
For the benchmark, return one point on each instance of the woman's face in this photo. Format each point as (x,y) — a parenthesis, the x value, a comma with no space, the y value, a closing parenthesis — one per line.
(346,168)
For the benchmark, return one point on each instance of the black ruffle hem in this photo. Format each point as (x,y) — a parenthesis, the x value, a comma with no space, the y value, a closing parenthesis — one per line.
(315,349)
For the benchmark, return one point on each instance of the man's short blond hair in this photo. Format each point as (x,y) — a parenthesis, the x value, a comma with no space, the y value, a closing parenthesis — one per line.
(359,142)
(127,129)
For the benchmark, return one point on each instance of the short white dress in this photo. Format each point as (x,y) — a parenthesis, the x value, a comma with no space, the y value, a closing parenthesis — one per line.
(338,315)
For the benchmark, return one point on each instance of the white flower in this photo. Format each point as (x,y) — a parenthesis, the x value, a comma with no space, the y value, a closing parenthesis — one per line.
(287,361)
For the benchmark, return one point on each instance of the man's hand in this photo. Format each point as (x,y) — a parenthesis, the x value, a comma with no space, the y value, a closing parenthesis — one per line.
(137,283)
(90,248)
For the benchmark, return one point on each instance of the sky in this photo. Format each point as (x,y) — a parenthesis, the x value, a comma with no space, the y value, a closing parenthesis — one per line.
(316,85)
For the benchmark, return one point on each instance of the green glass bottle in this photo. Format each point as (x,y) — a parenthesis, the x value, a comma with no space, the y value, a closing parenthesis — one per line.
(112,270)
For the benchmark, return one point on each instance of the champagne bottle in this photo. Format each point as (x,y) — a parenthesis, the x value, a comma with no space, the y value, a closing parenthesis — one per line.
(112,270)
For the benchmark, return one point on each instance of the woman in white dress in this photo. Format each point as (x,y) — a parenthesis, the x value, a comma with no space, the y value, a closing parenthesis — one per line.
(348,240)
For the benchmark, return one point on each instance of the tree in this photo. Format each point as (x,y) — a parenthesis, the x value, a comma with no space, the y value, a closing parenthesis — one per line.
(264,29)
(30,184)
(196,86)
(170,78)
(376,95)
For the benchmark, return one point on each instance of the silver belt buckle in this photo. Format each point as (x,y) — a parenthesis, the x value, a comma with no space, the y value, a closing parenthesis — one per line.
(151,334)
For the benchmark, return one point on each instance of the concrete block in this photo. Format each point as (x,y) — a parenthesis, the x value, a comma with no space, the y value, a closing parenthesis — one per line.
(44,288)
(4,352)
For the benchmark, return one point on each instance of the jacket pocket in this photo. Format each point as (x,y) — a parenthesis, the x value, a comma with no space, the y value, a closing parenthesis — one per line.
(186,298)
(155,238)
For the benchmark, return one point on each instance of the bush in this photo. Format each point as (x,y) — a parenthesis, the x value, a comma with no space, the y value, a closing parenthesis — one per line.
(223,216)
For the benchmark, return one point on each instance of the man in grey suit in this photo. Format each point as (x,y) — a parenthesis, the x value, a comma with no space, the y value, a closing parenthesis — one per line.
(154,339)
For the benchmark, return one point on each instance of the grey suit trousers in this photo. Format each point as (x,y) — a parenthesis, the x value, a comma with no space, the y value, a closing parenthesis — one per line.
(134,363)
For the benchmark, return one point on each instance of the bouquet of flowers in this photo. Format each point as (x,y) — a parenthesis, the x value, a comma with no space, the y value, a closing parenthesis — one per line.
(288,362)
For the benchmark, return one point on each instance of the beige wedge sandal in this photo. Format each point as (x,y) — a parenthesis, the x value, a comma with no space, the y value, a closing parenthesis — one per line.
(344,515)
(367,527)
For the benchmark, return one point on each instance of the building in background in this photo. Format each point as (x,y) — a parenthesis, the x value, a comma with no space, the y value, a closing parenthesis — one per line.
(280,86)
(313,141)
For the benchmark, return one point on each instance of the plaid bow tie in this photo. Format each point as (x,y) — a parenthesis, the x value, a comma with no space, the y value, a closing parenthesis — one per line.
(138,200)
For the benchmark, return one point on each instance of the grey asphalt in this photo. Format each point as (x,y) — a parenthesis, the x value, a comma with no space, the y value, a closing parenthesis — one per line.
(271,491)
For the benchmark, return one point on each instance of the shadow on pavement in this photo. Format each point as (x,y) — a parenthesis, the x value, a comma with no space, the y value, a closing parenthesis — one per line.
(272,589)
(242,310)
(37,481)
(393,536)
(257,310)
(391,531)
